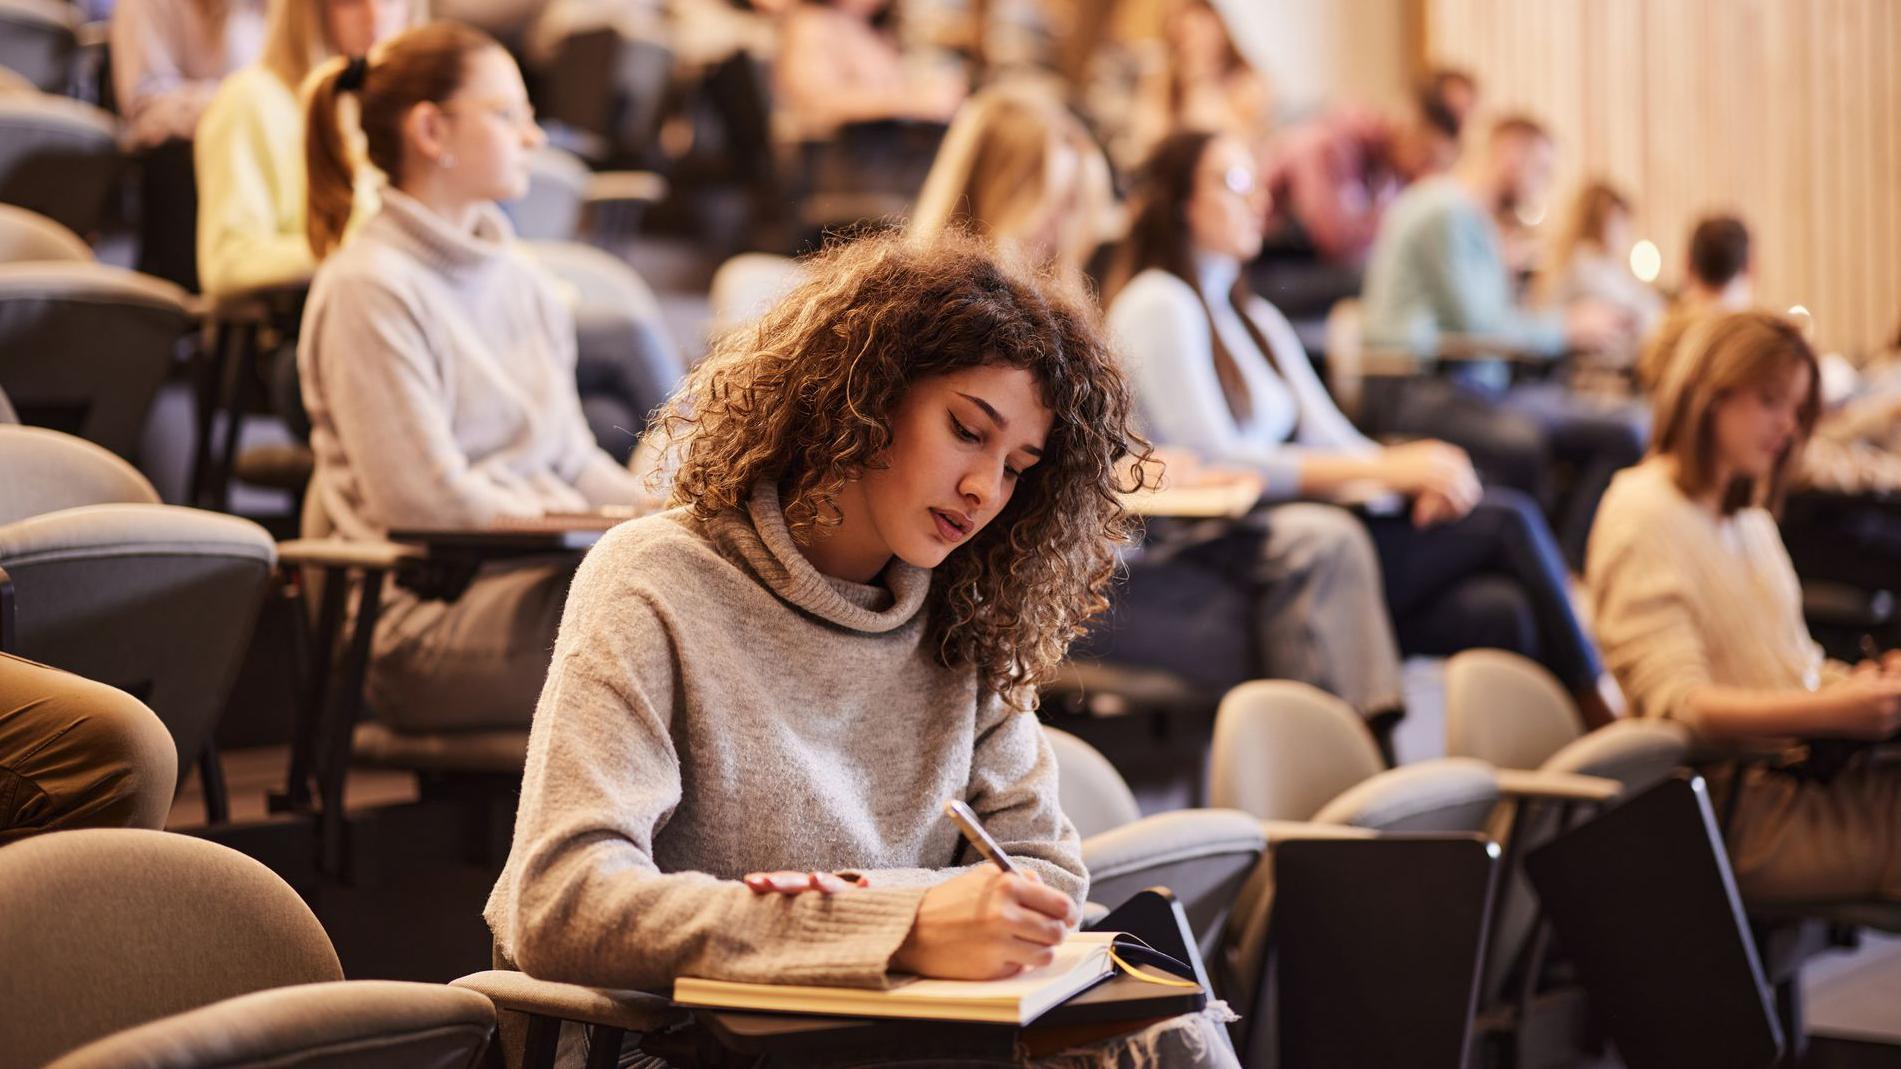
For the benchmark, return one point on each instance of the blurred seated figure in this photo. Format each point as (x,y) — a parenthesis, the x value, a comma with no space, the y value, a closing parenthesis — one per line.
(1719,276)
(1591,260)
(1218,371)
(1700,616)
(78,754)
(1332,176)
(1438,267)
(438,368)
(168,57)
(250,147)
(1292,593)
(1201,81)
(1019,171)
(839,64)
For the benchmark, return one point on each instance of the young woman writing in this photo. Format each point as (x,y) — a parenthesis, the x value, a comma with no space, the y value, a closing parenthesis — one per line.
(896,505)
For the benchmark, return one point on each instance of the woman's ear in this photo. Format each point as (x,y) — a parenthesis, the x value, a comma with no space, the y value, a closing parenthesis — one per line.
(425,134)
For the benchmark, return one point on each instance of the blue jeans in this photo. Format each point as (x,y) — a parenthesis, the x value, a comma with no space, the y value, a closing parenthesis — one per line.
(1492,579)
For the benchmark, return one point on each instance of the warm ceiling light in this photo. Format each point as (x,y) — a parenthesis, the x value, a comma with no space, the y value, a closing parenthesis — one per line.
(1645,261)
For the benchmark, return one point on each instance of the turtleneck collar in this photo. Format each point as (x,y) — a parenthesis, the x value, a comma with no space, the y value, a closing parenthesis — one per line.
(443,246)
(761,539)
(1215,274)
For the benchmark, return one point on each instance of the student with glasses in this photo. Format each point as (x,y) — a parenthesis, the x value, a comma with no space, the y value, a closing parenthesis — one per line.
(1219,371)
(438,369)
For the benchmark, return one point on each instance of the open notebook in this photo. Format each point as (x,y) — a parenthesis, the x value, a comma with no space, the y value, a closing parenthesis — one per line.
(1081,962)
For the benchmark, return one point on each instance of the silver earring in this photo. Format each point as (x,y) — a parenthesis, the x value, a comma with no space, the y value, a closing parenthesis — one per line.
(447,160)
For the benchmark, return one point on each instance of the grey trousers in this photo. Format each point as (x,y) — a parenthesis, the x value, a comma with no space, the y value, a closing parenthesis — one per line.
(1794,840)
(1321,614)
(474,663)
(78,754)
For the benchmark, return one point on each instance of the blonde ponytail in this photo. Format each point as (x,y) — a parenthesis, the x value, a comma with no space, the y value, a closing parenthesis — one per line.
(332,174)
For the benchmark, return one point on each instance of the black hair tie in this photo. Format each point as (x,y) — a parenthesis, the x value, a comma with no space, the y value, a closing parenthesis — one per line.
(351,80)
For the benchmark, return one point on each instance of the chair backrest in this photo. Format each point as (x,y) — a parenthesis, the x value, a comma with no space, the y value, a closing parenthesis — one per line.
(557,192)
(749,284)
(38,39)
(1203,856)
(29,236)
(84,347)
(617,319)
(1093,794)
(12,81)
(359,1024)
(106,929)
(45,471)
(1636,753)
(155,600)
(1506,710)
(58,157)
(1283,750)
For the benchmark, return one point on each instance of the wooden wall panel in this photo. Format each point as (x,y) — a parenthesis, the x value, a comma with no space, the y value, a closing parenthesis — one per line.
(1787,112)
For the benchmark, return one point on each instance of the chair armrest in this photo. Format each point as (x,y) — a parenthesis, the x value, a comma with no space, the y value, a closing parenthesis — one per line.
(1187,835)
(1281,831)
(1522,785)
(639,187)
(340,553)
(354,1022)
(632,1011)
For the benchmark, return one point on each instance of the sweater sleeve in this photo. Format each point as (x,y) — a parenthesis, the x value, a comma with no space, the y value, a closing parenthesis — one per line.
(1168,352)
(1646,627)
(244,239)
(589,904)
(369,361)
(1471,288)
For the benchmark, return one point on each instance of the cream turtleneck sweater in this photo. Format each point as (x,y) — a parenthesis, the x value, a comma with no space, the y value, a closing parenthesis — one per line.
(438,369)
(716,706)
(1683,598)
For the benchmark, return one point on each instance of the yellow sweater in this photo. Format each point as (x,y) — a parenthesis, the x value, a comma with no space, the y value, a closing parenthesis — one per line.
(252,191)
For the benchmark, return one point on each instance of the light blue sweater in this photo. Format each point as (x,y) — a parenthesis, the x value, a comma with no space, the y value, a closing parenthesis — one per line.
(1437,267)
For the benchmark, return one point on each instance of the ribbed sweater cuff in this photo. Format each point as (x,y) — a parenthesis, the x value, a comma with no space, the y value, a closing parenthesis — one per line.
(846,939)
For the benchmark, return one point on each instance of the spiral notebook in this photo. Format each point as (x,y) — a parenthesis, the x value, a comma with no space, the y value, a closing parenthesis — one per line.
(1082,961)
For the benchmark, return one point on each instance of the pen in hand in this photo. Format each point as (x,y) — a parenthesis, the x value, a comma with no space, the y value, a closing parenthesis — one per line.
(974,832)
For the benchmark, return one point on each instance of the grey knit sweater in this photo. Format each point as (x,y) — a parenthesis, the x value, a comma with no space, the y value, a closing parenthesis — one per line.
(716,706)
(438,369)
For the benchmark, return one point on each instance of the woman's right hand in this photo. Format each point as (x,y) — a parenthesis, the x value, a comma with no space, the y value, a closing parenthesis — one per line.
(1433,470)
(1866,705)
(985,925)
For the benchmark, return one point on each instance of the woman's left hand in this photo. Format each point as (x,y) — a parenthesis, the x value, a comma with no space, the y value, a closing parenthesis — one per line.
(798,883)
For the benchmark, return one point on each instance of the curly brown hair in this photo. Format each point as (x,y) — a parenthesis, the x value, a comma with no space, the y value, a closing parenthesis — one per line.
(804,397)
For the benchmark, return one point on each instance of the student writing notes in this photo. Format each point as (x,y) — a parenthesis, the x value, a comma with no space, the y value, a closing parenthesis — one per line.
(896,504)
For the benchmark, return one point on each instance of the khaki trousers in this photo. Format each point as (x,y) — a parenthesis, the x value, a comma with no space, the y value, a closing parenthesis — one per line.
(1797,841)
(78,754)
(474,663)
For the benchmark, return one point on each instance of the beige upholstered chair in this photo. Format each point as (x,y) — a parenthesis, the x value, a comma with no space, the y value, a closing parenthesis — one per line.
(84,347)
(108,584)
(1203,856)
(27,237)
(130,948)
(45,471)
(58,157)
(38,40)
(1510,712)
(748,285)
(1304,763)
